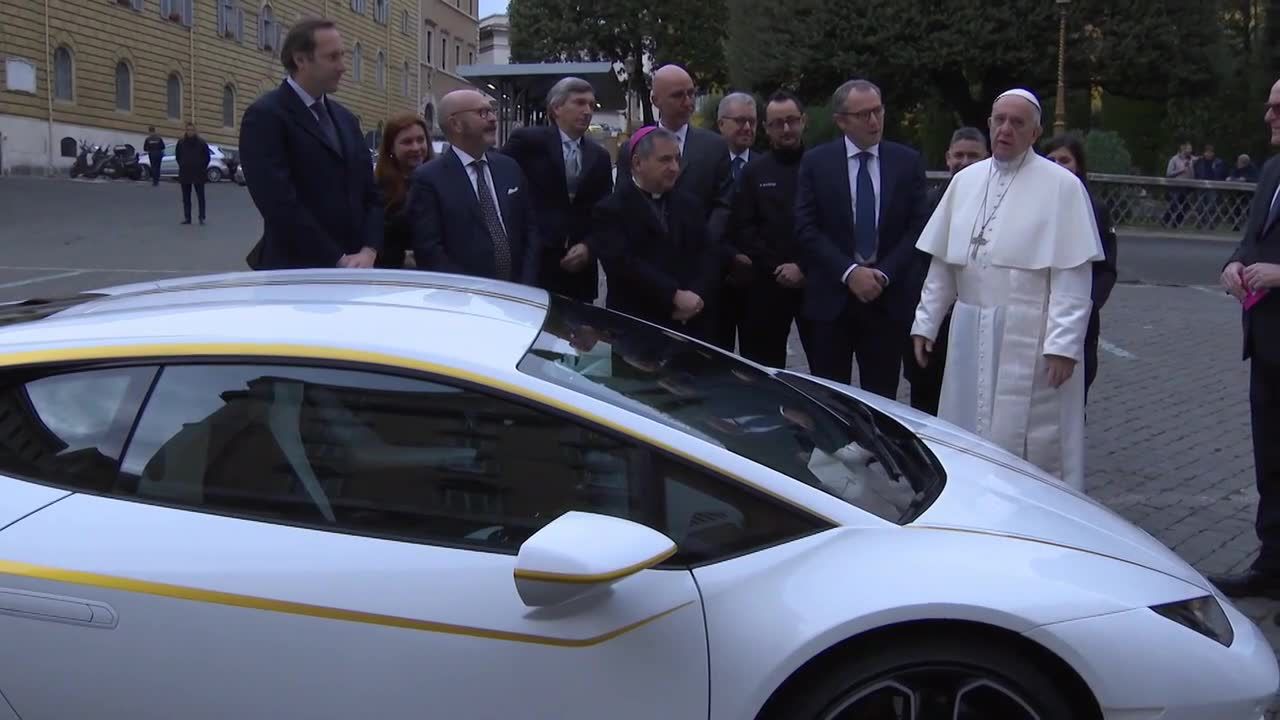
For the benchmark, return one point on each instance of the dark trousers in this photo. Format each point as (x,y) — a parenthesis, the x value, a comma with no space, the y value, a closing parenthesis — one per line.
(926,382)
(1264,403)
(731,316)
(186,200)
(869,332)
(766,326)
(155,168)
(1091,352)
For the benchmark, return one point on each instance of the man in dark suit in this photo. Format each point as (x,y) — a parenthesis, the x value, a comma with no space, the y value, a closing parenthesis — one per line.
(307,167)
(968,146)
(860,207)
(652,240)
(1253,276)
(470,207)
(568,174)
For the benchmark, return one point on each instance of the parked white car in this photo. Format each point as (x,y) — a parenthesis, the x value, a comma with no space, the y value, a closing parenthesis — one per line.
(217,171)
(393,494)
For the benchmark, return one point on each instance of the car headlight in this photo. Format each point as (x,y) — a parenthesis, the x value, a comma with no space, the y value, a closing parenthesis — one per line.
(1202,614)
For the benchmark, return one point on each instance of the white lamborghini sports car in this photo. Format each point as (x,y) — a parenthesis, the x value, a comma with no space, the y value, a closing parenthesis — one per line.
(399,494)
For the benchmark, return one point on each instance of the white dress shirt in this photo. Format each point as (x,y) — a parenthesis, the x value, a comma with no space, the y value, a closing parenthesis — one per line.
(855,165)
(680,134)
(475,185)
(306,97)
(565,139)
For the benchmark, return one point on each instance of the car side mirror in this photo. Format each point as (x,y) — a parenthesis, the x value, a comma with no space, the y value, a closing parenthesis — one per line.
(579,553)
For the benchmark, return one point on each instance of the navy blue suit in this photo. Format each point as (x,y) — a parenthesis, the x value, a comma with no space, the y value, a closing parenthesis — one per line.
(449,233)
(318,202)
(842,325)
(562,221)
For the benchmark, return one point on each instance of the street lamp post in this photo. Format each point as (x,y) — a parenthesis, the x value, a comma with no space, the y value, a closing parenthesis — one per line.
(1060,112)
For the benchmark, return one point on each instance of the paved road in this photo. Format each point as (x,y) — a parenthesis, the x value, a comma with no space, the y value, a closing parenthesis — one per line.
(1168,432)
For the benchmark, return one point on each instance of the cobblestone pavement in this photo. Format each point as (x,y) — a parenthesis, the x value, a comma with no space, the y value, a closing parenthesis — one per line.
(1168,434)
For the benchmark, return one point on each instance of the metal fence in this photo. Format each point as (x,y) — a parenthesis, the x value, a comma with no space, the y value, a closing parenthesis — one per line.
(1178,207)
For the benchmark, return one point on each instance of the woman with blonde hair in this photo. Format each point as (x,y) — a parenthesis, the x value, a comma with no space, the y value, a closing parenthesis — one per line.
(406,144)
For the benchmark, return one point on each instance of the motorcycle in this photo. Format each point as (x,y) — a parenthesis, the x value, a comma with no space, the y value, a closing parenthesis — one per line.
(83,163)
(122,163)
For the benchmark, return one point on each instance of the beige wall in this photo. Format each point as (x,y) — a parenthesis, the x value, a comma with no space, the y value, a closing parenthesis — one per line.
(100,33)
(453,22)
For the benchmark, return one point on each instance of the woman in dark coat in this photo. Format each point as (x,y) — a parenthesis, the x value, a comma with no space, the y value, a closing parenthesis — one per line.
(192,154)
(405,146)
(1068,151)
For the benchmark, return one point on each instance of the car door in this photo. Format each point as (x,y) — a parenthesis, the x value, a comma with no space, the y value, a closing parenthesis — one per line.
(284,541)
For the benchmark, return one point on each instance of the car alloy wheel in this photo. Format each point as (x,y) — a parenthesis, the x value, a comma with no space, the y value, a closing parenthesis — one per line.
(933,692)
(215,175)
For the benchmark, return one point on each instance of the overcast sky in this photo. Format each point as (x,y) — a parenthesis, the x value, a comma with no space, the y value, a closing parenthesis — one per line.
(489,7)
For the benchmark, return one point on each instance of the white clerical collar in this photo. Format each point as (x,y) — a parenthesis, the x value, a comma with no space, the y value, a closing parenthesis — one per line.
(853,150)
(303,94)
(636,181)
(1007,166)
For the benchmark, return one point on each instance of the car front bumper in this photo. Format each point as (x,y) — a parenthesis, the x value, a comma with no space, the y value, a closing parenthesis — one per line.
(1142,666)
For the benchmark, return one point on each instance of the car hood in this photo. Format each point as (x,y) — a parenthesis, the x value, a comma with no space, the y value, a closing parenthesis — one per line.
(991,491)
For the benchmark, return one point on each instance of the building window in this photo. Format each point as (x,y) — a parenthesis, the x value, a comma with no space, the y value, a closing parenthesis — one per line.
(20,75)
(381,11)
(177,10)
(471,57)
(173,96)
(131,4)
(357,63)
(404,22)
(124,86)
(426,48)
(404,79)
(228,106)
(444,53)
(457,55)
(268,29)
(357,6)
(230,20)
(380,71)
(67,147)
(63,75)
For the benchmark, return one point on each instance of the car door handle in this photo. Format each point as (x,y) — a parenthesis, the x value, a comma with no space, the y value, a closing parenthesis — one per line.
(56,608)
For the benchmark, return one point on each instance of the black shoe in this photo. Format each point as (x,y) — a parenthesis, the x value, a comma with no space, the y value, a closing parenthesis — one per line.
(1250,583)
(186,222)
(201,221)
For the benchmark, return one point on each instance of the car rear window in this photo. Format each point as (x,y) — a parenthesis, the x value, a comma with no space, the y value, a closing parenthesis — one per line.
(728,402)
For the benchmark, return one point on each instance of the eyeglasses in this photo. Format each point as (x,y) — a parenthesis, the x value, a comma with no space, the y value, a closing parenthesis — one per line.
(741,120)
(865,115)
(786,122)
(483,112)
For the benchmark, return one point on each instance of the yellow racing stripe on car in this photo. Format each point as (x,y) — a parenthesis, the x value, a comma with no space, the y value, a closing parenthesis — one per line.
(251,602)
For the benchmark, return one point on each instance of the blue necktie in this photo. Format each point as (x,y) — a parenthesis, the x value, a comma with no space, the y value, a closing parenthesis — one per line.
(864,221)
(736,168)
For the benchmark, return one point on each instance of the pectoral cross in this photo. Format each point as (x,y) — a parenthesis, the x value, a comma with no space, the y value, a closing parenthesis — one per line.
(977,242)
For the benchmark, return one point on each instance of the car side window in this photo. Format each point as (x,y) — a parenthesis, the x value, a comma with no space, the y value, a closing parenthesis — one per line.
(390,456)
(69,428)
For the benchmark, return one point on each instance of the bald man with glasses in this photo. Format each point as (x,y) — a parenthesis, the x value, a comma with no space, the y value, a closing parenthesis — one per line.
(470,206)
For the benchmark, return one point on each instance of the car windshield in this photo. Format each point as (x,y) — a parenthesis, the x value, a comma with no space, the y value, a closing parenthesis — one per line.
(795,426)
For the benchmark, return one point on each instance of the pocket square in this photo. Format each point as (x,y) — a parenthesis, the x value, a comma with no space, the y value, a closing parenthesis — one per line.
(513,190)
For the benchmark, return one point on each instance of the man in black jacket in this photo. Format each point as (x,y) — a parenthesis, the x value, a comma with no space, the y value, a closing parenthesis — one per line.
(153,146)
(567,173)
(192,155)
(307,165)
(763,222)
(1253,276)
(652,240)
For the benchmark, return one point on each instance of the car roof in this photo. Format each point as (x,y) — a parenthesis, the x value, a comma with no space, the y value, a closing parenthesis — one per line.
(435,317)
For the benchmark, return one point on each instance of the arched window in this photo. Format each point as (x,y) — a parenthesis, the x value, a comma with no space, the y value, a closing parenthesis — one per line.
(267,28)
(228,106)
(173,96)
(63,75)
(124,86)
(68,147)
(380,71)
(380,11)
(404,21)
(404,79)
(357,63)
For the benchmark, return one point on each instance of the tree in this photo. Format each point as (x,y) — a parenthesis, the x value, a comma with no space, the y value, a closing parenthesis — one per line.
(964,53)
(630,32)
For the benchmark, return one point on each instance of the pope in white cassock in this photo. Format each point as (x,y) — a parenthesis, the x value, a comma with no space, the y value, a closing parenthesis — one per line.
(1013,240)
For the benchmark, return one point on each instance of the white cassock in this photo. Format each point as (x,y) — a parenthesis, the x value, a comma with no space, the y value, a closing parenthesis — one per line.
(1021,292)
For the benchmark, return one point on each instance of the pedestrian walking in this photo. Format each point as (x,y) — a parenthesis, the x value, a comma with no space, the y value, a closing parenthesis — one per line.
(153,146)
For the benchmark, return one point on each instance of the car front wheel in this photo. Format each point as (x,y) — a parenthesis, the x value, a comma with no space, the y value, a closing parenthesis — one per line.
(924,678)
(215,174)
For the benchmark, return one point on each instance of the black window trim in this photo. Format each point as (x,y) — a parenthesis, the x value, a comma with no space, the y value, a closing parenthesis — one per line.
(162,362)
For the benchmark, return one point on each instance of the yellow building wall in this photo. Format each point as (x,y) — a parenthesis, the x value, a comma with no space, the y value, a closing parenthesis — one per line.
(100,33)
